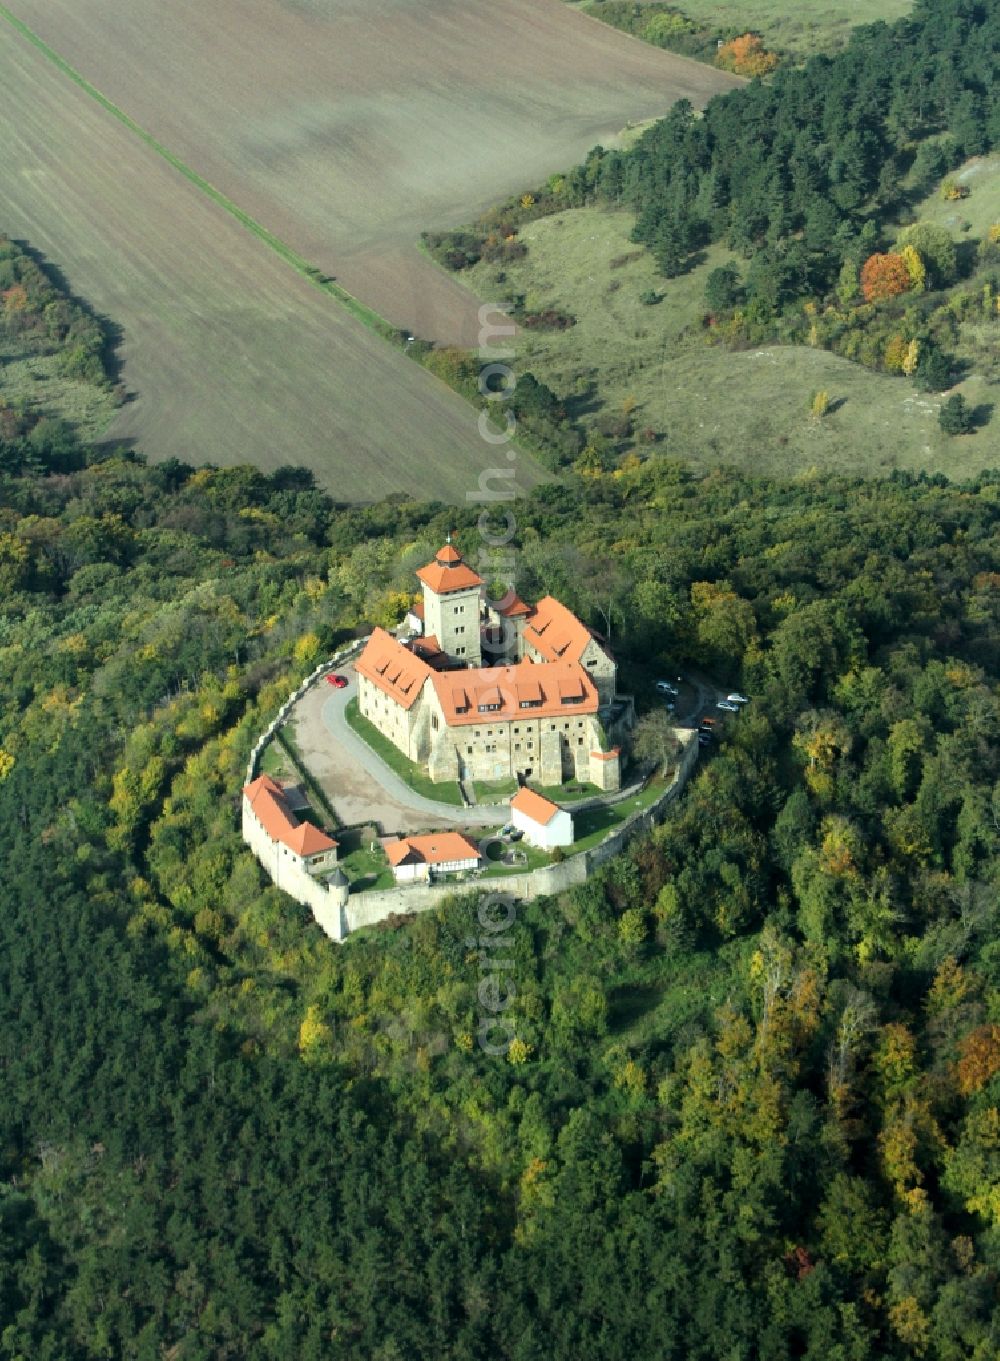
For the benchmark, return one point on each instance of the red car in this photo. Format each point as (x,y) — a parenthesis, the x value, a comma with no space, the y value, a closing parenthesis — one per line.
(338,682)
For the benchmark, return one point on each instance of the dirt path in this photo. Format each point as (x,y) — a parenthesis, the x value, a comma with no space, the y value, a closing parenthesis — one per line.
(348,126)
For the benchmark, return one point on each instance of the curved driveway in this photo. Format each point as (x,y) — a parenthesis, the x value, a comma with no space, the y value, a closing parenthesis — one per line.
(361,787)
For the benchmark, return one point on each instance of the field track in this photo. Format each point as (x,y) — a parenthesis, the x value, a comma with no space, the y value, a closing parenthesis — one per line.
(343,133)
(233,355)
(346,127)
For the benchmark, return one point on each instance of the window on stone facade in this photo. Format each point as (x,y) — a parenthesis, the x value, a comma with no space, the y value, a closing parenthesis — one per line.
(517,746)
(468,751)
(579,741)
(434,722)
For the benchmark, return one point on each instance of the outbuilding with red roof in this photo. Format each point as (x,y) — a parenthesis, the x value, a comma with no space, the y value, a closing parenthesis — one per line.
(421,858)
(543,822)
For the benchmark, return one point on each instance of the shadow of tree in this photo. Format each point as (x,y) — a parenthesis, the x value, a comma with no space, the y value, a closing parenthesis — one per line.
(981,415)
(111,331)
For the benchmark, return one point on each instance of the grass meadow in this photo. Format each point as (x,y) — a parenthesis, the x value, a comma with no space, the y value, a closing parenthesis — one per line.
(709,405)
(799,27)
(36,380)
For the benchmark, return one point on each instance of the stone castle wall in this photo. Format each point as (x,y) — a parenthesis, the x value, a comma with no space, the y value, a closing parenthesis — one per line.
(287,872)
(375,905)
(339,912)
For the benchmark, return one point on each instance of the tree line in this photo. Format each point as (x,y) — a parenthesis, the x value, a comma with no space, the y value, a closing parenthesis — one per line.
(753,1109)
(807,177)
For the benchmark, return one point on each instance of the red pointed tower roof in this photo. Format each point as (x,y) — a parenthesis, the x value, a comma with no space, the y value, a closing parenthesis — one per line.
(448,572)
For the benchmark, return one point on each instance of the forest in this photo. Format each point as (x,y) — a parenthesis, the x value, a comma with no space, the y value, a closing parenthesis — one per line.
(810,178)
(754,1107)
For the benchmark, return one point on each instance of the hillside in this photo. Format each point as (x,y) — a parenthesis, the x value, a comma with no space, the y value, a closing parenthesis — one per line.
(796,223)
(798,29)
(647,377)
(752,1107)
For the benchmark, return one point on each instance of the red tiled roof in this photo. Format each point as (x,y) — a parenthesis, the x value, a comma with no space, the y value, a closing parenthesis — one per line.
(393,668)
(571,687)
(555,632)
(535,806)
(498,692)
(436,849)
(267,799)
(448,572)
(511,606)
(607,755)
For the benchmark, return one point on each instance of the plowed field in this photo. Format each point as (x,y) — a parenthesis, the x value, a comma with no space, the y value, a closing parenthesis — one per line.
(344,127)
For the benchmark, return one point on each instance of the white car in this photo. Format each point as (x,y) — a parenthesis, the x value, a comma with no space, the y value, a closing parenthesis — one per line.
(665,688)
(729,708)
(737,698)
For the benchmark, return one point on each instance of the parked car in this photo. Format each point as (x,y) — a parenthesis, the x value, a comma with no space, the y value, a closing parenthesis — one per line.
(665,688)
(707,724)
(338,682)
(728,707)
(704,739)
(737,698)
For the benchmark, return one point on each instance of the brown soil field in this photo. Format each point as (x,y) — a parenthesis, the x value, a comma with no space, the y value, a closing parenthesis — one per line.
(346,127)
(233,356)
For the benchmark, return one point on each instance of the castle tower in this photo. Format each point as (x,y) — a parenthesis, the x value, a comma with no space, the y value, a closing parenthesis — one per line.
(452,592)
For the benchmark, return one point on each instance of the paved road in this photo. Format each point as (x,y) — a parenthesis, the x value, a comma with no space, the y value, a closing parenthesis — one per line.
(697,699)
(361,787)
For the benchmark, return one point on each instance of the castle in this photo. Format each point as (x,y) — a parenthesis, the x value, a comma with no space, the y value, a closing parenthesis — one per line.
(542,706)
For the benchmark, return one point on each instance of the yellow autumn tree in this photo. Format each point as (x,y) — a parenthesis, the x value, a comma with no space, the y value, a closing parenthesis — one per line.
(910,1324)
(307,648)
(915,268)
(895,354)
(315,1036)
(589,463)
(979,1059)
(911,358)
